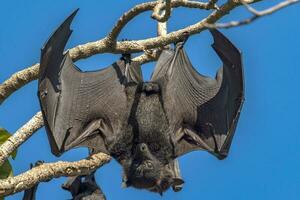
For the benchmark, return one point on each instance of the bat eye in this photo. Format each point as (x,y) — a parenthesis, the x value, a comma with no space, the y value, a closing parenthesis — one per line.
(143,147)
(149,165)
(44,93)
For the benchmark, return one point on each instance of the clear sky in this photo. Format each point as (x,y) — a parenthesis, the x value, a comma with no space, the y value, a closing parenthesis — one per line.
(264,160)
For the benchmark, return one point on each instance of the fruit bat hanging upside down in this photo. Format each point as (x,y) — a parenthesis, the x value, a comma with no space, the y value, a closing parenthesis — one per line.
(145,126)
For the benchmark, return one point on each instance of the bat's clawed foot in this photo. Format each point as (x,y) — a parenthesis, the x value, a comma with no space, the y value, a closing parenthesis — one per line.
(37,163)
(125,40)
(126,56)
(185,37)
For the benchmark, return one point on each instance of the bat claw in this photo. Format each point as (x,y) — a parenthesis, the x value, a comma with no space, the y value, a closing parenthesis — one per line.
(125,40)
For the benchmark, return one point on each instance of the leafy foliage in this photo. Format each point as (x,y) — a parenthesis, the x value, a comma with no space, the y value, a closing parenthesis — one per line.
(6,168)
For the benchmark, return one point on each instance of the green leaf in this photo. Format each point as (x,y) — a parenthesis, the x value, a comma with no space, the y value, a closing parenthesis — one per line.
(5,170)
(4,135)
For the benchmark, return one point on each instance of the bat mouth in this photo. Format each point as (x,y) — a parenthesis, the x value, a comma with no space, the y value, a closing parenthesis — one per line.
(145,169)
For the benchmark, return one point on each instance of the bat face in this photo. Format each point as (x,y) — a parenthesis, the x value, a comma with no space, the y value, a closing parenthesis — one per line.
(145,169)
(147,172)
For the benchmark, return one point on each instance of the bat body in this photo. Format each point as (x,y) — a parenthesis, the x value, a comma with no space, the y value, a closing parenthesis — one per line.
(145,126)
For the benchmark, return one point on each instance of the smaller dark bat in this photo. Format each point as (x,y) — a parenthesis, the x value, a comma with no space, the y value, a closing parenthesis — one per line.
(84,188)
(145,126)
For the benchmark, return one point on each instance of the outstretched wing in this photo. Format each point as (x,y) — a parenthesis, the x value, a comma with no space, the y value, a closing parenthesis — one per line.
(202,112)
(79,108)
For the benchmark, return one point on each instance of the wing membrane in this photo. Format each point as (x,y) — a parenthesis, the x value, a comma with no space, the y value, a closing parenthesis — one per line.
(71,99)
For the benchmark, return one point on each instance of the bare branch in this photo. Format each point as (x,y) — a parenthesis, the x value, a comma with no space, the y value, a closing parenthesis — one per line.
(17,80)
(213,4)
(107,44)
(101,46)
(159,14)
(153,54)
(161,28)
(148,56)
(256,14)
(46,172)
(138,9)
(20,136)
(270,10)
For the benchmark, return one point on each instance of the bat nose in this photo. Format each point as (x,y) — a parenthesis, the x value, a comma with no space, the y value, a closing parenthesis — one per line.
(143,147)
(142,152)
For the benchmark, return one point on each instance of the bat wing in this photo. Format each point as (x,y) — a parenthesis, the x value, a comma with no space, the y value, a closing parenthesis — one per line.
(202,112)
(80,108)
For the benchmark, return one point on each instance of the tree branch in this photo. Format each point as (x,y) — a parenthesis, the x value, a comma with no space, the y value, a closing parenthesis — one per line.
(138,9)
(20,136)
(23,77)
(213,4)
(256,14)
(159,14)
(46,172)
(17,80)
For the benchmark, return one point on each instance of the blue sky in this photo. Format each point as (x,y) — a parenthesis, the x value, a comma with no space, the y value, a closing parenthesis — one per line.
(264,160)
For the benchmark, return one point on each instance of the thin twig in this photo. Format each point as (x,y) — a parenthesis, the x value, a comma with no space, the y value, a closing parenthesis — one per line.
(162,10)
(256,14)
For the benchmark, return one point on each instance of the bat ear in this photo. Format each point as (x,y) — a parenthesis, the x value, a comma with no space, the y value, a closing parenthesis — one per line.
(126,184)
(177,184)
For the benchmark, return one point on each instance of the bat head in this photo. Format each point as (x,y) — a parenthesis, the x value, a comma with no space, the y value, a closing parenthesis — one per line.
(145,171)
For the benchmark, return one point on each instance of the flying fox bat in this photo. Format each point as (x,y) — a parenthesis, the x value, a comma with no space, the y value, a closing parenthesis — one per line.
(84,188)
(145,126)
